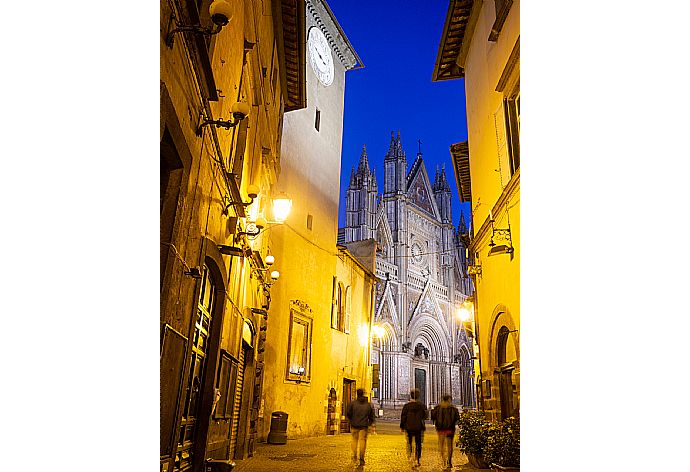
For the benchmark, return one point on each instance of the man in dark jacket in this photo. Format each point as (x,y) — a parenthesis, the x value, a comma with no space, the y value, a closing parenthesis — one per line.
(412,422)
(445,416)
(361,416)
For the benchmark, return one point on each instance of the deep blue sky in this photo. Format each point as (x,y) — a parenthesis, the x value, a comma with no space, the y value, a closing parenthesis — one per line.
(397,42)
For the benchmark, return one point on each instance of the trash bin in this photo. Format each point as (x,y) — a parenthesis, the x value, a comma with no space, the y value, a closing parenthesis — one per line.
(278,432)
(219,465)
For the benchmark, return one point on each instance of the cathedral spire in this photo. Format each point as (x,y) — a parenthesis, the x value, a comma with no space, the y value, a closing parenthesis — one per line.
(443,184)
(462,227)
(352,176)
(391,147)
(363,167)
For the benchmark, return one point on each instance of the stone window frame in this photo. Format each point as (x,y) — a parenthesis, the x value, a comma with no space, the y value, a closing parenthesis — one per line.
(341,306)
(300,314)
(509,86)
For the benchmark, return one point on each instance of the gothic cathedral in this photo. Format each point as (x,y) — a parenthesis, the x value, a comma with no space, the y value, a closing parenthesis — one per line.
(422,279)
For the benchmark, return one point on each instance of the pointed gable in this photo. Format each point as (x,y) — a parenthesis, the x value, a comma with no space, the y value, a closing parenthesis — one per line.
(386,308)
(419,188)
(428,304)
(383,235)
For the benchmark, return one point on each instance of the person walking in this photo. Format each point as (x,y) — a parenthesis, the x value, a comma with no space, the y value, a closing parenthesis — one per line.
(361,416)
(412,422)
(445,416)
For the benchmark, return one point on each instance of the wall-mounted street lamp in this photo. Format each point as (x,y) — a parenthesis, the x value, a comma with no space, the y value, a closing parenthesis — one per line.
(281,209)
(378,332)
(465,315)
(254,228)
(282,205)
(239,111)
(221,13)
(465,311)
(264,267)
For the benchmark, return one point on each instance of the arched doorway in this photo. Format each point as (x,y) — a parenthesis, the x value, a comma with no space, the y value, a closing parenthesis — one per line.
(466,384)
(505,373)
(191,412)
(332,424)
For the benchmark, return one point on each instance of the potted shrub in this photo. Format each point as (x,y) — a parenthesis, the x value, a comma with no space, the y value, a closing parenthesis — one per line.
(473,437)
(502,448)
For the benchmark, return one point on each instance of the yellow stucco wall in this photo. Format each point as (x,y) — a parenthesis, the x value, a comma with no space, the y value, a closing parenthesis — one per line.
(308,260)
(498,285)
(199,208)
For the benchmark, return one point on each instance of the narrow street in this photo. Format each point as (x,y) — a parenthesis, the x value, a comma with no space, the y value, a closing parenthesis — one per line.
(385,453)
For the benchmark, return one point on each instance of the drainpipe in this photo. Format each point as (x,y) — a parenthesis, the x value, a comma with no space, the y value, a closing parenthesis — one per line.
(476,335)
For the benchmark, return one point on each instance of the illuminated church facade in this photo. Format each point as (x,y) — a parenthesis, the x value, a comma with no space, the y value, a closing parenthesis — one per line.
(422,276)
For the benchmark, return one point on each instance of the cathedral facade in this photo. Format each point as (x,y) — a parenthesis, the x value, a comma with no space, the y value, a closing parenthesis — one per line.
(422,280)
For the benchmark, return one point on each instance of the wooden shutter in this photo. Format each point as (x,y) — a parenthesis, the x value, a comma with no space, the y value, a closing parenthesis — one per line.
(171,367)
(237,403)
(334,305)
(348,308)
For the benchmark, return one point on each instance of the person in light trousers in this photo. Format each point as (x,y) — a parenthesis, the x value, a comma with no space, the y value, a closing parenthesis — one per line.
(361,416)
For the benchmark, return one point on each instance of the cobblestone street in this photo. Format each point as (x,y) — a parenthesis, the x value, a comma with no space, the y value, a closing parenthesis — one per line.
(386,452)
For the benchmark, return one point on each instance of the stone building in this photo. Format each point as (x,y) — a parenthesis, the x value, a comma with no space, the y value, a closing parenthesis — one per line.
(481,43)
(224,89)
(317,348)
(422,279)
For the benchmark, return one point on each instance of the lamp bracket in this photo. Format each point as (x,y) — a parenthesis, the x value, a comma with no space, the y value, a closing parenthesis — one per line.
(222,123)
(197,29)
(193,272)
(229,202)
(252,229)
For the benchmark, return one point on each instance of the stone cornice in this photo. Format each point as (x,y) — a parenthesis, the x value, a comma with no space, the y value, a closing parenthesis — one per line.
(324,18)
(513,60)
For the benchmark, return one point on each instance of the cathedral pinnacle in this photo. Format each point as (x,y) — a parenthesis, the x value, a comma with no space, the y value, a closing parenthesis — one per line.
(363,167)
(391,147)
(462,227)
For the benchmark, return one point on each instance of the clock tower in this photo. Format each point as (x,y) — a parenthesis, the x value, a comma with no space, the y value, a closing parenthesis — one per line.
(300,330)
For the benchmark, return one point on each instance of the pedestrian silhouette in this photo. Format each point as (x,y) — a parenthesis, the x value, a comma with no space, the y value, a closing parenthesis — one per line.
(412,422)
(361,416)
(445,416)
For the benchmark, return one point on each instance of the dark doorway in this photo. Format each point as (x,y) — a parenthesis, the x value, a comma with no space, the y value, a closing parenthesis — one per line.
(505,375)
(348,396)
(420,384)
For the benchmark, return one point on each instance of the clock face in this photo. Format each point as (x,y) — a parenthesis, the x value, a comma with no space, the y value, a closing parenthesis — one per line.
(320,56)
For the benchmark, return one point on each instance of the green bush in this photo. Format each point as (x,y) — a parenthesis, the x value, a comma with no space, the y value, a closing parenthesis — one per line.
(503,443)
(474,429)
